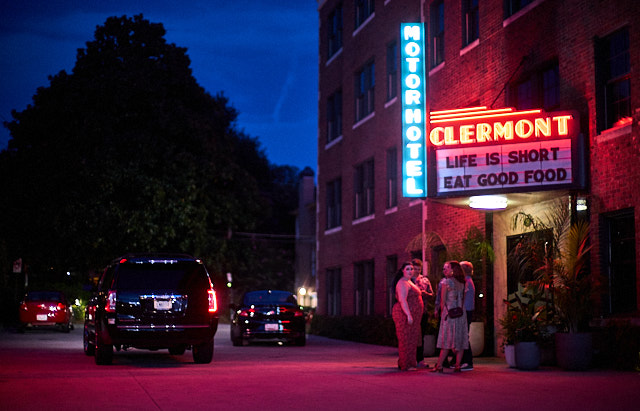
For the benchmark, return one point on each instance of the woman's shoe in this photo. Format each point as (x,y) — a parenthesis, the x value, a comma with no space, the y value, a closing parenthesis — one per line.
(437,369)
(457,369)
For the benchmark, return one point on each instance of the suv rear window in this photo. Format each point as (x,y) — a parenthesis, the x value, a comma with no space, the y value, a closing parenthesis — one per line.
(269,297)
(161,276)
(43,296)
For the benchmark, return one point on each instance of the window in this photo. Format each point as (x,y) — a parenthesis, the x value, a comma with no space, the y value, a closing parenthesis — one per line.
(365,82)
(613,73)
(363,297)
(551,87)
(334,116)
(392,70)
(364,9)
(437,33)
(392,268)
(524,95)
(392,177)
(335,30)
(470,21)
(334,291)
(511,7)
(364,189)
(618,248)
(539,89)
(334,203)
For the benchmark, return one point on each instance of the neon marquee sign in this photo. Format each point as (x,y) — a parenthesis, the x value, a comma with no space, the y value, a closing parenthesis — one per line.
(478,150)
(414,150)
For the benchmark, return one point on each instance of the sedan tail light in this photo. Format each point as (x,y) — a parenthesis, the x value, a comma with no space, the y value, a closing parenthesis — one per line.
(213,302)
(249,312)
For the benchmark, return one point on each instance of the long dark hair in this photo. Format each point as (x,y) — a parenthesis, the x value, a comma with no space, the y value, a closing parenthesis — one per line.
(458,273)
(400,273)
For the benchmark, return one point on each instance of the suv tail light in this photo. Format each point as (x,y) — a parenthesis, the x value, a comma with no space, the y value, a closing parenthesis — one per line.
(213,302)
(111,302)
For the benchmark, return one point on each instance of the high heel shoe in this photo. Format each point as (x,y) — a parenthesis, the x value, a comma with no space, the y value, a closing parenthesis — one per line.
(457,369)
(436,368)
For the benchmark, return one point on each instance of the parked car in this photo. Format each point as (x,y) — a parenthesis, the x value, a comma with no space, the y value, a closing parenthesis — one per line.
(268,315)
(46,309)
(152,301)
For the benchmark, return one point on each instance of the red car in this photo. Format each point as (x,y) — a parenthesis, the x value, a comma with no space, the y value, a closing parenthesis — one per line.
(46,308)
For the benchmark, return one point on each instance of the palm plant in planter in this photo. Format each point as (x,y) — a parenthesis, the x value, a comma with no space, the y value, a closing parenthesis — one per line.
(563,276)
(573,288)
(573,293)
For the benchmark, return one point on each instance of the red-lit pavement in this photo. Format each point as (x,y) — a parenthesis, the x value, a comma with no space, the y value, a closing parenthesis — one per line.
(43,370)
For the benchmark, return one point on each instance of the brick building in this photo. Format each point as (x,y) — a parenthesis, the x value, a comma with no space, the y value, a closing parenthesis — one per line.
(559,56)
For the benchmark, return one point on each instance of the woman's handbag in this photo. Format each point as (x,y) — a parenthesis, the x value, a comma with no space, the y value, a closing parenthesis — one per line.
(455,312)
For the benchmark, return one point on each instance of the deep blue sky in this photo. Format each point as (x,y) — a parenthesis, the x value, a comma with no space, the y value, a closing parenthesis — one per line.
(263,54)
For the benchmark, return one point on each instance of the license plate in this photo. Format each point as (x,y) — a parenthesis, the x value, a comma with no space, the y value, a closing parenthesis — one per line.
(41,317)
(162,305)
(271,327)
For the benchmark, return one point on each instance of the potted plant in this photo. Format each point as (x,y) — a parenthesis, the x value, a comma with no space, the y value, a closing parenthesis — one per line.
(525,311)
(509,324)
(430,336)
(573,293)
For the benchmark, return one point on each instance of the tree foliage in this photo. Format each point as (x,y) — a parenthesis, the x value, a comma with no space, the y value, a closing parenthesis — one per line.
(128,153)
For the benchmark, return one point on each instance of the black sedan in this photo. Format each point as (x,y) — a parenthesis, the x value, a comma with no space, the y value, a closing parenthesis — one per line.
(268,315)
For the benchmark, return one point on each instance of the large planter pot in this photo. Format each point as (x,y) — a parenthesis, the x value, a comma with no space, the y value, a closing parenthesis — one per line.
(574,351)
(527,355)
(429,345)
(476,337)
(510,355)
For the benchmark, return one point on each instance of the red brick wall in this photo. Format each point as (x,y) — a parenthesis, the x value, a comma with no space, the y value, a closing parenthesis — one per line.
(553,29)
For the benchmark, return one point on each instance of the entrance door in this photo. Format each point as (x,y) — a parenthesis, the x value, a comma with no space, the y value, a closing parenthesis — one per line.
(525,255)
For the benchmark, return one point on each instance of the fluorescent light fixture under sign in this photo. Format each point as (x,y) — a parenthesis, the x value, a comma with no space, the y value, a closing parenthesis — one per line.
(488,202)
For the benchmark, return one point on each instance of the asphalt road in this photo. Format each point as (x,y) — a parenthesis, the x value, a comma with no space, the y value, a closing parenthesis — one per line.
(47,370)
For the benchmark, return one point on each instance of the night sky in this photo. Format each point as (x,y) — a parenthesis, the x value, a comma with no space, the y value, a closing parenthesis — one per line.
(263,54)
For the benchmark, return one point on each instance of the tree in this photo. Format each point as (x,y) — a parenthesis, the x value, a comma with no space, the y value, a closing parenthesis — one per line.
(129,153)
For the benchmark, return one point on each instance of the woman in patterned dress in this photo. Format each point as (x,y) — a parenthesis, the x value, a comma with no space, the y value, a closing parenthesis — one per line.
(453,334)
(407,312)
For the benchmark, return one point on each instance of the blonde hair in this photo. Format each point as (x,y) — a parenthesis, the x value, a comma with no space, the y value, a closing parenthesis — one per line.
(467,267)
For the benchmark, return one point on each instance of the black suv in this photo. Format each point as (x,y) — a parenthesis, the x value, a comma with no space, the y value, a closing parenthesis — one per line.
(152,301)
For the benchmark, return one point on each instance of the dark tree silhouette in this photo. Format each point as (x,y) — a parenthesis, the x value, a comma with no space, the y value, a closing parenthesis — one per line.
(129,153)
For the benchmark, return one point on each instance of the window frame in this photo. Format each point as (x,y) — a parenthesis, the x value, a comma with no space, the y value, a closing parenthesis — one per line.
(436,36)
(335,27)
(334,291)
(392,177)
(470,21)
(537,89)
(364,90)
(334,204)
(364,288)
(392,70)
(364,189)
(609,112)
(363,10)
(334,116)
